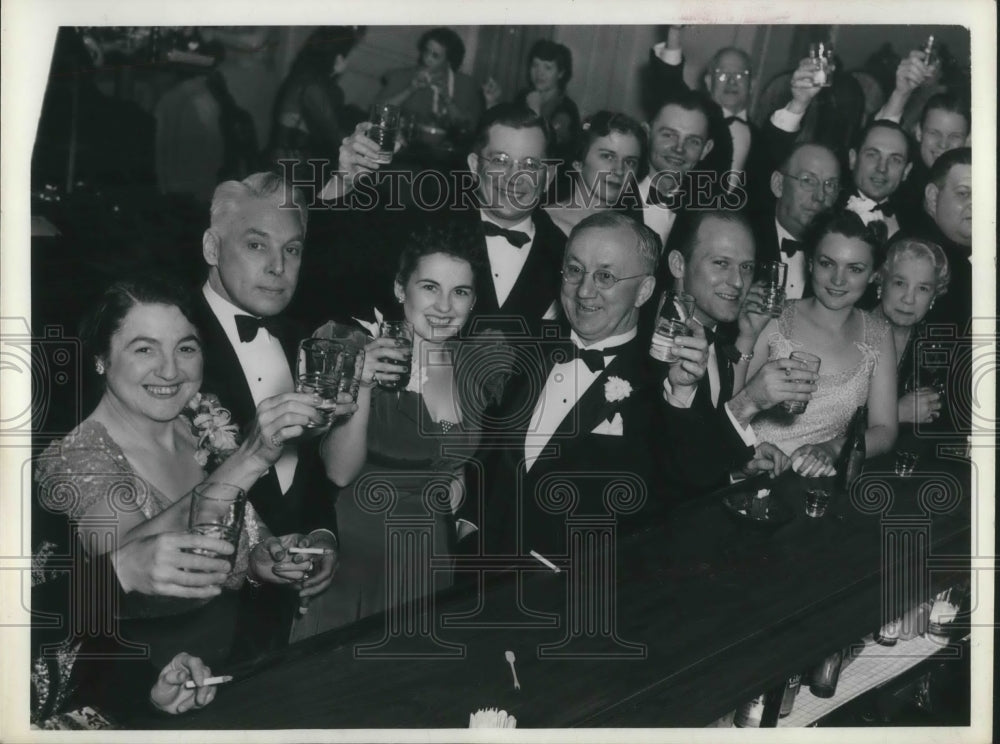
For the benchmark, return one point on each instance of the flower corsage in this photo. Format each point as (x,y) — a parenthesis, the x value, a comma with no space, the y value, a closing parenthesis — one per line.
(616,390)
(218,437)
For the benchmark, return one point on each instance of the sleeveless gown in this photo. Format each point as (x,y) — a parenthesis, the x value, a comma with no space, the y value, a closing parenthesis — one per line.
(837,396)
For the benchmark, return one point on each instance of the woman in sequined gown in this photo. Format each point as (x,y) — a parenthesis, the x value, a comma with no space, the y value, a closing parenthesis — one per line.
(856,349)
(123,480)
(401,457)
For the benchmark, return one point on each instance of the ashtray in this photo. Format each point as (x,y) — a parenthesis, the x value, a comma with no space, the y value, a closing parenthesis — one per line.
(756,506)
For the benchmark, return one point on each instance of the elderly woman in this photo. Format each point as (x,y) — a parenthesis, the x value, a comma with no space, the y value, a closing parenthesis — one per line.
(914,274)
(611,149)
(435,90)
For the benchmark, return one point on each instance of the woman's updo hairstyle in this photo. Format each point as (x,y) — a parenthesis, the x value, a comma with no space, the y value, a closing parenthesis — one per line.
(106,317)
(850,225)
(452,238)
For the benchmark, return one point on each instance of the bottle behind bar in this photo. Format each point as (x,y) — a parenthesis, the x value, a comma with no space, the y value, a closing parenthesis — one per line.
(852,456)
(762,711)
(788,698)
(825,676)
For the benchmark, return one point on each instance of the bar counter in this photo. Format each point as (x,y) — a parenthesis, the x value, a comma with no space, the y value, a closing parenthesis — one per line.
(707,613)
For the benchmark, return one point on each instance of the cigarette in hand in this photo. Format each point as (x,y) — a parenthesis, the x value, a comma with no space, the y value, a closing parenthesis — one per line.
(210,681)
(311,551)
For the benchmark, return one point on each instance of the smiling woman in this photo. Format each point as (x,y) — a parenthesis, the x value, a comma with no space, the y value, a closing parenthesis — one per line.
(855,348)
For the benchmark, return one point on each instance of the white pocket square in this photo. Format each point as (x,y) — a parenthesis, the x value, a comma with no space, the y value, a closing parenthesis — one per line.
(612,428)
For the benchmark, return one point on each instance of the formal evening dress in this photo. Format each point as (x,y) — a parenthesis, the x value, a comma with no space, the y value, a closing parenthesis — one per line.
(414,464)
(837,396)
(74,474)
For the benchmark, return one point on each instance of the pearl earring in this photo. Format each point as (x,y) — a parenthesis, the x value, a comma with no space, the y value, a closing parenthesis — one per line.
(99,366)
(878,293)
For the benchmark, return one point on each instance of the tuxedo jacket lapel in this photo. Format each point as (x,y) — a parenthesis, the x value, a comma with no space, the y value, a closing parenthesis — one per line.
(223,375)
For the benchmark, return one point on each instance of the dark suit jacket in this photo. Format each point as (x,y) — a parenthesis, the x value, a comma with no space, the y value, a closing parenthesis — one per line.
(308,504)
(518,511)
(698,446)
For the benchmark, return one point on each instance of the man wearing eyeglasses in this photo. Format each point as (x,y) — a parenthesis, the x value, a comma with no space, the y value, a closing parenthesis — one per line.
(587,424)
(806,183)
(509,175)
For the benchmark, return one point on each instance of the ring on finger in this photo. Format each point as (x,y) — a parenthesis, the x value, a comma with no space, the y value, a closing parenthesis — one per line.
(276,440)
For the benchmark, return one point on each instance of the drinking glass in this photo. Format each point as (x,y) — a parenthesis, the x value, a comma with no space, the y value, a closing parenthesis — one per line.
(818,491)
(319,371)
(823,65)
(906,462)
(674,310)
(217,511)
(402,331)
(774,274)
(384,125)
(350,379)
(812,362)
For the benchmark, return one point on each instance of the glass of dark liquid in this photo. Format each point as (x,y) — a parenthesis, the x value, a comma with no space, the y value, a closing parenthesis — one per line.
(383,128)
(402,331)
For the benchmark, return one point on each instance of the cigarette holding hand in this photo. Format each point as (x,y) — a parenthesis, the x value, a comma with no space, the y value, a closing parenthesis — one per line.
(210,681)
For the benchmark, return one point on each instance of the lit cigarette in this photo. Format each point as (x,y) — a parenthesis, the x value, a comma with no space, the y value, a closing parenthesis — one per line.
(545,561)
(311,551)
(190,684)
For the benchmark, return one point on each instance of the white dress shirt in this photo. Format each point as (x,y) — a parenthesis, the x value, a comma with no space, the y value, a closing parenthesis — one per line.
(655,216)
(264,366)
(796,280)
(565,385)
(506,261)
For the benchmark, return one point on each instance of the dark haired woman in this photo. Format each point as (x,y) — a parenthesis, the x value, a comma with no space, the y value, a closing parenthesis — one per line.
(310,118)
(435,90)
(123,478)
(610,151)
(400,454)
(550,69)
(855,348)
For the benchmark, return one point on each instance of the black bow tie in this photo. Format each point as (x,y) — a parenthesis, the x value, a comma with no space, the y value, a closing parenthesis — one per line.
(247,327)
(593,358)
(516,238)
(885,208)
(710,335)
(740,119)
(655,197)
(790,246)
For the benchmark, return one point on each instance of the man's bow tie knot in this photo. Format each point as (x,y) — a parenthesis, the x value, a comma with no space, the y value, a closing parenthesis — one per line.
(790,246)
(885,208)
(516,238)
(730,119)
(247,327)
(593,358)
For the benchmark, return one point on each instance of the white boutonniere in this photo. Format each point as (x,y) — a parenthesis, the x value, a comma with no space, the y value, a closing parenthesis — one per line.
(862,208)
(218,437)
(616,389)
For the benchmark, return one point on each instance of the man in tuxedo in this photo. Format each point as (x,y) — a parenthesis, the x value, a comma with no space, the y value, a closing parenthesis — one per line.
(678,140)
(499,198)
(946,219)
(253,248)
(577,417)
(740,145)
(804,185)
(704,431)
(879,163)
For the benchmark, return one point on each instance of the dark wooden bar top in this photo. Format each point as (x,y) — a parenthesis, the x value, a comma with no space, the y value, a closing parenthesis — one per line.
(708,612)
